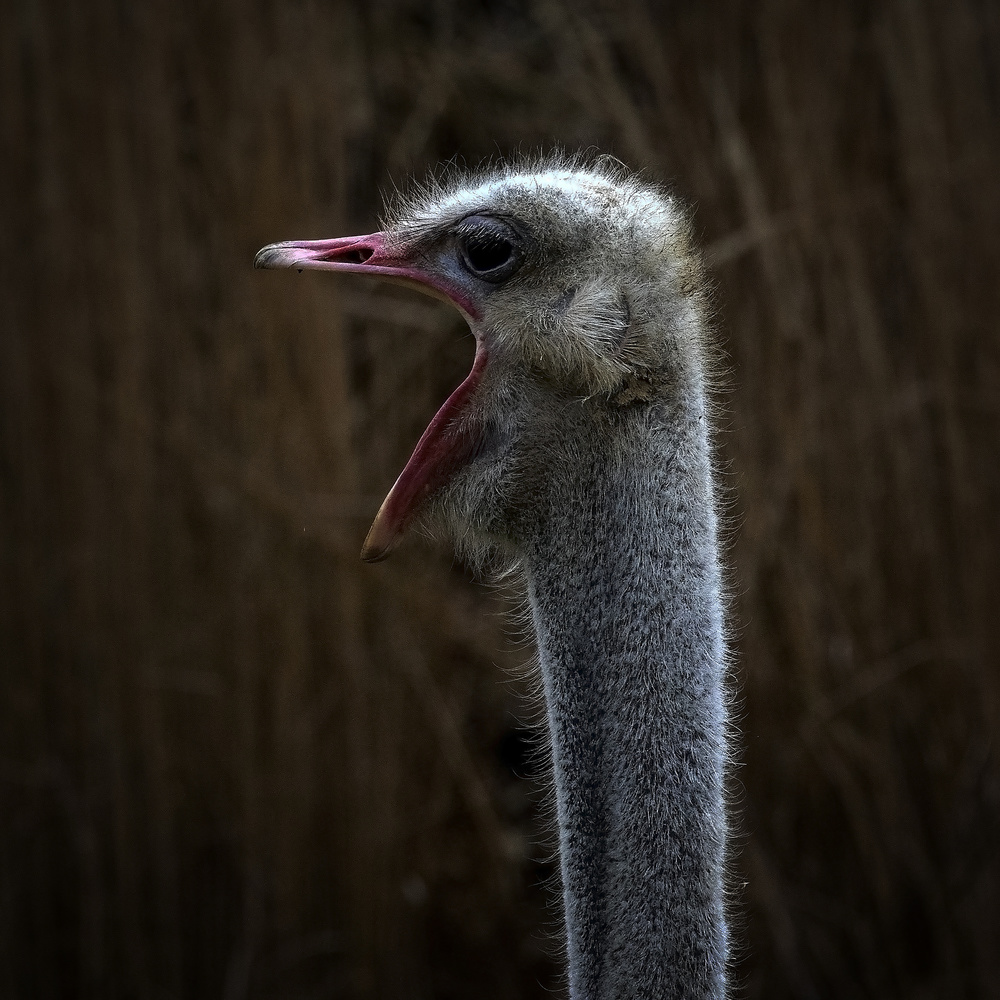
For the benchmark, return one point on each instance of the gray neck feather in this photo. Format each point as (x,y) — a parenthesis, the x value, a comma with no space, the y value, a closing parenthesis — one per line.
(623,582)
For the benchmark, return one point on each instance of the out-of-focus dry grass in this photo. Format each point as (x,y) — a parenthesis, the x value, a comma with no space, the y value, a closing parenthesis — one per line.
(236,763)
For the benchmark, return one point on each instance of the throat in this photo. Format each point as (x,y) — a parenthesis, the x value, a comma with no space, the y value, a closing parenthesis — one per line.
(627,612)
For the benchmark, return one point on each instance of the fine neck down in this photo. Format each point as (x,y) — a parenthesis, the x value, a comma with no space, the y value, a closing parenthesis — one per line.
(624,588)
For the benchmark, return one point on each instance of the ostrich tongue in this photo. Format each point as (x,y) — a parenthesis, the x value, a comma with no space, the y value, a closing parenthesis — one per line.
(447,443)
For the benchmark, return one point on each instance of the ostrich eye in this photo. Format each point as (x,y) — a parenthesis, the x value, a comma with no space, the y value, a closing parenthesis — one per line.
(489,248)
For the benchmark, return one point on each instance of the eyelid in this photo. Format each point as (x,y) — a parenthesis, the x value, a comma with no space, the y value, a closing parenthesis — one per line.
(475,223)
(484,231)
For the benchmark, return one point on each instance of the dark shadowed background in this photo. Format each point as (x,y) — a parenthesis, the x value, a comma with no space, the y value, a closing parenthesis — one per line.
(235,762)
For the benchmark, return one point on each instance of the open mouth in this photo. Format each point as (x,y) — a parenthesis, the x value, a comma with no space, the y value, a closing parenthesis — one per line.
(451,437)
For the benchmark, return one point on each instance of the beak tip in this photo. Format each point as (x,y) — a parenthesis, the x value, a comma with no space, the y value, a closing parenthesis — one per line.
(271,256)
(371,554)
(380,541)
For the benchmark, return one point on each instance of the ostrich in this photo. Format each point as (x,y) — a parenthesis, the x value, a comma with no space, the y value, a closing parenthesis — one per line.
(578,448)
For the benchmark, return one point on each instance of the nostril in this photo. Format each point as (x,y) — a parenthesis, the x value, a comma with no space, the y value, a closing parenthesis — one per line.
(356,255)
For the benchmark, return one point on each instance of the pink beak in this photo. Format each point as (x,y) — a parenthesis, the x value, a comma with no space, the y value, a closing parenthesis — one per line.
(370,255)
(450,439)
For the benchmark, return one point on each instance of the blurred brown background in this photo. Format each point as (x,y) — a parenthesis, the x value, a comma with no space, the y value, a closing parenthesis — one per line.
(236,763)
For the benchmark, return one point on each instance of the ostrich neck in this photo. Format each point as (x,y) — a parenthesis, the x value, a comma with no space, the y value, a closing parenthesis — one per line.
(623,582)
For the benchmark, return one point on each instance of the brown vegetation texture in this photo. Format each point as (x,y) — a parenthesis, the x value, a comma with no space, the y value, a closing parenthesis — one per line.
(237,763)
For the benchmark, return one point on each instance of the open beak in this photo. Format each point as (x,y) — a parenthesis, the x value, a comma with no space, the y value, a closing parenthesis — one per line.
(451,437)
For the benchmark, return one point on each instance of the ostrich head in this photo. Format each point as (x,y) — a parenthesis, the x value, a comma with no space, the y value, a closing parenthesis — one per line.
(582,290)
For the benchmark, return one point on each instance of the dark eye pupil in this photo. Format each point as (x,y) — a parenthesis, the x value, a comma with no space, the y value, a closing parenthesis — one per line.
(487,251)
